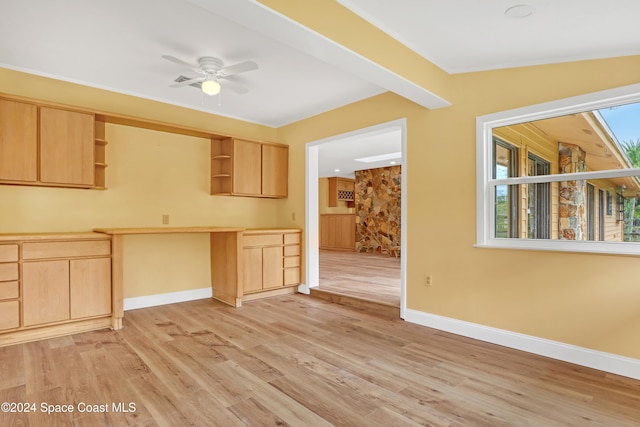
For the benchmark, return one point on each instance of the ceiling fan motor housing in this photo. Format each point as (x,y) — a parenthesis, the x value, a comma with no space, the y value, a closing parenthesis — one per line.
(210,64)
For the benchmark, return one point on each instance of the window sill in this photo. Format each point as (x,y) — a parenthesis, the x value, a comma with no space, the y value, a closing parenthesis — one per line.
(590,247)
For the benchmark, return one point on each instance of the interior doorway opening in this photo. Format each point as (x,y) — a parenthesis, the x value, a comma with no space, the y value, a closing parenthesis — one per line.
(360,267)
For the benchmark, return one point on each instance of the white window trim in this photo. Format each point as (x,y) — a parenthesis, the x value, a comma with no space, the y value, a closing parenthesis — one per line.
(485,184)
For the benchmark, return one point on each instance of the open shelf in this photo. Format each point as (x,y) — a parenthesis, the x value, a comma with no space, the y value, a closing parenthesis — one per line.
(100,157)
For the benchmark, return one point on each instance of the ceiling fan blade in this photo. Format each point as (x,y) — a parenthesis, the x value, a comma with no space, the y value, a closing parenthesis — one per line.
(236,87)
(241,67)
(181,62)
(188,82)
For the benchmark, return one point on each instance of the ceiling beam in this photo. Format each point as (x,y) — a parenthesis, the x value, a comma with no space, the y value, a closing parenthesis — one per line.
(333,34)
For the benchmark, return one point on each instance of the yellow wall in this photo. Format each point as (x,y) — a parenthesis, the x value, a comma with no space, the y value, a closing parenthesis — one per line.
(587,300)
(582,299)
(150,173)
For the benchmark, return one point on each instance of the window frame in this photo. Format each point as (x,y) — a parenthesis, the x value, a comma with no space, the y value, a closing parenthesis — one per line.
(485,183)
(513,192)
(591,211)
(541,196)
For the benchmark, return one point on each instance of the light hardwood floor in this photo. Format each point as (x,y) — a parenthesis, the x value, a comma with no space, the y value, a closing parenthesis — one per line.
(368,276)
(301,361)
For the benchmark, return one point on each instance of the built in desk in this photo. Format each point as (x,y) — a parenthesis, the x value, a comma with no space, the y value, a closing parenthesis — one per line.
(225,255)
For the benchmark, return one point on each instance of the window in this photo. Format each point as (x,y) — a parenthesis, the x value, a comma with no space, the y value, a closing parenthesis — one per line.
(591,212)
(601,223)
(505,164)
(550,202)
(538,210)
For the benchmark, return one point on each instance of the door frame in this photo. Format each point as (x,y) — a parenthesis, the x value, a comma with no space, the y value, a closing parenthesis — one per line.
(312,217)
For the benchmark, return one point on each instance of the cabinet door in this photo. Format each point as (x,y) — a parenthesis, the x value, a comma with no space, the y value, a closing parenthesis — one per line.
(333,231)
(90,287)
(9,314)
(247,163)
(66,147)
(272,272)
(275,165)
(18,141)
(252,269)
(347,233)
(45,291)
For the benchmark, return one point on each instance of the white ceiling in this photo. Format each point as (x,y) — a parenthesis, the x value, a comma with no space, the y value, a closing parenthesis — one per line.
(471,35)
(341,153)
(118,44)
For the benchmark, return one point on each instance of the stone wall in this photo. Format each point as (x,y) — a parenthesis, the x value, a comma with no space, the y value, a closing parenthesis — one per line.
(573,194)
(377,200)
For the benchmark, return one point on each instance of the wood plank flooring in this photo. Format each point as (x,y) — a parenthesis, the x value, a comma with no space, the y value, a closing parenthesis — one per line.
(299,361)
(367,276)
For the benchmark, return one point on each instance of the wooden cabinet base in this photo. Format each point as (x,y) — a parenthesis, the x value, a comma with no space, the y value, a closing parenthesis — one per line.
(55,284)
(52,331)
(271,293)
(338,232)
(270,262)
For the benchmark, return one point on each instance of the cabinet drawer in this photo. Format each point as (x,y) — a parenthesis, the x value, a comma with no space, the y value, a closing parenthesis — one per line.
(291,238)
(291,276)
(9,290)
(292,250)
(292,261)
(8,253)
(262,240)
(9,314)
(41,250)
(8,272)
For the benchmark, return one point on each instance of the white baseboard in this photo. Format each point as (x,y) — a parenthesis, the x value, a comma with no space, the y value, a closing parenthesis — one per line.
(607,362)
(304,289)
(169,298)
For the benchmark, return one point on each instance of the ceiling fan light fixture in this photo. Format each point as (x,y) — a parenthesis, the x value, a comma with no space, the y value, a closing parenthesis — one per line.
(211,87)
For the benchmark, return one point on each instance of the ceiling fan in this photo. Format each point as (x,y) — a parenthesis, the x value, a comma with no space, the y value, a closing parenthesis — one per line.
(213,74)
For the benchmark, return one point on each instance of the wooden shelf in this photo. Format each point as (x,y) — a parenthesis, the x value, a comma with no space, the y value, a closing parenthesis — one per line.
(256,169)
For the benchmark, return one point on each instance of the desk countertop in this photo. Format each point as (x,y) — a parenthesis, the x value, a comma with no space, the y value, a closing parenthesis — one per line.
(160,230)
(51,236)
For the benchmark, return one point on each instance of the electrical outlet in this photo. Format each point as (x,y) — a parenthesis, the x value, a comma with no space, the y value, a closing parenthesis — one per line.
(165,219)
(428,279)
(293,216)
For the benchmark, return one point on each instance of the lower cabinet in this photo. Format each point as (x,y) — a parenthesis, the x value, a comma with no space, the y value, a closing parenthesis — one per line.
(270,260)
(89,287)
(338,232)
(59,290)
(45,292)
(9,314)
(54,285)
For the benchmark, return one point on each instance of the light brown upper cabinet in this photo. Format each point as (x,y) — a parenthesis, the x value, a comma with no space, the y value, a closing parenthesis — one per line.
(249,168)
(49,146)
(275,166)
(247,163)
(341,189)
(18,141)
(66,147)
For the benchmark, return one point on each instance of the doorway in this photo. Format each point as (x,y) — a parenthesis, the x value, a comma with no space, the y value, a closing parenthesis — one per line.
(312,238)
